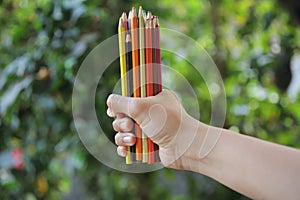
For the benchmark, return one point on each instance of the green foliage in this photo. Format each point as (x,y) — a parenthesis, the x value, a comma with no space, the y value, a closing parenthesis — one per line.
(43,44)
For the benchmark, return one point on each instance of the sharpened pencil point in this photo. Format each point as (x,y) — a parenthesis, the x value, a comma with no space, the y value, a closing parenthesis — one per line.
(129,15)
(147,24)
(133,12)
(149,15)
(157,22)
(154,22)
(121,23)
(140,11)
(124,16)
(128,38)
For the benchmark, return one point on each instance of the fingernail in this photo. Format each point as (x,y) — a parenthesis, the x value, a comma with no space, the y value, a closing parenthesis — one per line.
(127,139)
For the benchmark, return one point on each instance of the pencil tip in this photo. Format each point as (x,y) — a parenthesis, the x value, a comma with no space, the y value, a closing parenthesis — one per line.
(149,15)
(154,21)
(133,12)
(130,14)
(140,11)
(157,21)
(121,22)
(147,25)
(124,16)
(144,14)
(128,38)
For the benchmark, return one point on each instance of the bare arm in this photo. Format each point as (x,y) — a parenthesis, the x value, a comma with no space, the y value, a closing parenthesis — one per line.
(253,167)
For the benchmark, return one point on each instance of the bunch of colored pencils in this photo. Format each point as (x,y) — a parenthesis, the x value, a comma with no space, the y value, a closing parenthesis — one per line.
(140,64)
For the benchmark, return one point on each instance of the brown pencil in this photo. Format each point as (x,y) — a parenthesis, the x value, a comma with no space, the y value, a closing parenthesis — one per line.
(157,70)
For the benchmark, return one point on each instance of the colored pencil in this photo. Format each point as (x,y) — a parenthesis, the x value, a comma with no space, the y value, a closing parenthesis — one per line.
(158,55)
(142,74)
(128,45)
(157,69)
(121,34)
(154,56)
(149,77)
(136,77)
(122,50)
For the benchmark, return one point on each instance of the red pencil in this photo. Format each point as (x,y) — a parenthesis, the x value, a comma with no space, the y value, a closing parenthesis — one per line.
(149,78)
(156,69)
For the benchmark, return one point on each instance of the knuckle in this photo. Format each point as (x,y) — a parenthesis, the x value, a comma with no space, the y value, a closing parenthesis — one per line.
(135,108)
(112,100)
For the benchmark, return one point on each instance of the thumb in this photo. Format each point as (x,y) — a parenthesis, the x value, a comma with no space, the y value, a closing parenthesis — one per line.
(132,107)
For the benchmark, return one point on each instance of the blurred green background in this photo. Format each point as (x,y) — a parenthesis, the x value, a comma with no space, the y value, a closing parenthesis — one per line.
(255,45)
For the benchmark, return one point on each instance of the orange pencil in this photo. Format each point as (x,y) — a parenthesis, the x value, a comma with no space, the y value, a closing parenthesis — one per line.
(136,77)
(135,53)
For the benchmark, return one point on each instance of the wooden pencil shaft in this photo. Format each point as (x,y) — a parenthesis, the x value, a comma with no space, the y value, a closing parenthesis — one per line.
(136,77)
(135,54)
(129,65)
(158,55)
(121,35)
(141,20)
(149,79)
(122,47)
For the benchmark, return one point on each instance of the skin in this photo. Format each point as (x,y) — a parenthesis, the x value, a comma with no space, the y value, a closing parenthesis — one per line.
(253,167)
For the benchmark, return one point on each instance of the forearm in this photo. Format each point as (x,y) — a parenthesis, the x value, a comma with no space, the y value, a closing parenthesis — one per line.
(258,169)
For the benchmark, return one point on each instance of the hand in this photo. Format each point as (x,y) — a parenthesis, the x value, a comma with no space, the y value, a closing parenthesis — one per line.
(163,119)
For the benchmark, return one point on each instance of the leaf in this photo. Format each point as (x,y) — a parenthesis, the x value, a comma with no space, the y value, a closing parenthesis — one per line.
(12,93)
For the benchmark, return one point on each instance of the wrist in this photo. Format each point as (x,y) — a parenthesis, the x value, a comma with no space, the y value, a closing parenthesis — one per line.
(183,152)
(197,132)
(199,155)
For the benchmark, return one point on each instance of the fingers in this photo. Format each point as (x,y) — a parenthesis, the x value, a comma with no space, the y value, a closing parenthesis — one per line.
(122,151)
(125,139)
(135,108)
(117,104)
(124,124)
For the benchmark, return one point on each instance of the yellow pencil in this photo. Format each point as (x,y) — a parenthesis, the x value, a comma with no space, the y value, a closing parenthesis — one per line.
(121,34)
(142,75)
